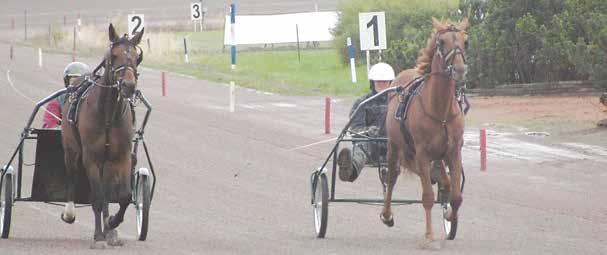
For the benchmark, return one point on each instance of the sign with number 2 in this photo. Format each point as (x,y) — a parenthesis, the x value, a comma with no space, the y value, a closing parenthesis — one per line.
(136,23)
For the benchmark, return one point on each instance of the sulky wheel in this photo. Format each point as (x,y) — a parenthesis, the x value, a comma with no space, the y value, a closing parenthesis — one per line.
(6,204)
(142,204)
(449,226)
(320,204)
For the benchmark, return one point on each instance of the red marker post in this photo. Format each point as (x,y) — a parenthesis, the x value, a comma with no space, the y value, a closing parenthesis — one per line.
(483,143)
(163,78)
(327,115)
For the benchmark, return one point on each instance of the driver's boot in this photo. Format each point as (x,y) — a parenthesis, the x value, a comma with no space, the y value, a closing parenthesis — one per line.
(350,164)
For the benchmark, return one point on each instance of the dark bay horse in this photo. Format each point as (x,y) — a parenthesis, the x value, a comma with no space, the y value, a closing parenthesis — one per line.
(434,127)
(99,143)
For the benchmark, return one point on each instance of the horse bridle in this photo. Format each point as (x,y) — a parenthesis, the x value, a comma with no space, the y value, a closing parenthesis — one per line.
(113,73)
(448,58)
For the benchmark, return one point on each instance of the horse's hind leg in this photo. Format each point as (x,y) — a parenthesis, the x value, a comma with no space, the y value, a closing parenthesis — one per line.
(119,217)
(99,237)
(111,234)
(71,168)
(393,171)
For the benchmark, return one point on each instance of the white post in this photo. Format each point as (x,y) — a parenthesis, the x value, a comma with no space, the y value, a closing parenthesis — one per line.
(316,6)
(39,57)
(379,55)
(368,63)
(232,96)
(352,62)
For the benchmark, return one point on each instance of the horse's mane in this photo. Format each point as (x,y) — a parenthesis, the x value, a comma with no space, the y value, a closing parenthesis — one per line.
(424,58)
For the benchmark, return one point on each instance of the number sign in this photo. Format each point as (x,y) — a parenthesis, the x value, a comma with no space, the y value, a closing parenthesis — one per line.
(136,23)
(372,27)
(196,11)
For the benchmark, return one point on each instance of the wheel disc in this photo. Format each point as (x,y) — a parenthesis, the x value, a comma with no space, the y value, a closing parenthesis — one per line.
(317,206)
(446,223)
(139,205)
(2,206)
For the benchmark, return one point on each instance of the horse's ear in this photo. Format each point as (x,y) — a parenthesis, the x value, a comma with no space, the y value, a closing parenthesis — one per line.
(437,24)
(137,38)
(464,24)
(112,33)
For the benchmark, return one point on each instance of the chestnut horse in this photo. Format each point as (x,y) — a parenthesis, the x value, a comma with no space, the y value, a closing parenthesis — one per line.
(434,125)
(99,143)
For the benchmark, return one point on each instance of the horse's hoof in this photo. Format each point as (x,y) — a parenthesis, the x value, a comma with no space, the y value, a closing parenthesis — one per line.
(113,222)
(389,222)
(112,238)
(99,245)
(68,220)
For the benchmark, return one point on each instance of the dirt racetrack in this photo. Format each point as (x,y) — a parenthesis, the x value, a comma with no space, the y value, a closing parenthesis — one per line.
(231,183)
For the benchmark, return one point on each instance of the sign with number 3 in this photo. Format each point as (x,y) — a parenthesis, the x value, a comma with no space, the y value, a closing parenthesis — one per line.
(196,11)
(136,23)
(372,27)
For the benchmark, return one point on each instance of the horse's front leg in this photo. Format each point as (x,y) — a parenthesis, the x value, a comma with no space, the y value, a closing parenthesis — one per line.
(393,171)
(455,171)
(422,164)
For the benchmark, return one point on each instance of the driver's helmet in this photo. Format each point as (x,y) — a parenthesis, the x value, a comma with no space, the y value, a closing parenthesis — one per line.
(74,69)
(381,72)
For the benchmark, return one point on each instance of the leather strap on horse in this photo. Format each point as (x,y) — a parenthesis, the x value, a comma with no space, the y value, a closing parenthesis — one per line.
(443,122)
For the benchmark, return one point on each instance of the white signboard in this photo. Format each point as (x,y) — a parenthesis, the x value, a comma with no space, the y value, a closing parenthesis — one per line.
(262,29)
(196,11)
(136,23)
(372,27)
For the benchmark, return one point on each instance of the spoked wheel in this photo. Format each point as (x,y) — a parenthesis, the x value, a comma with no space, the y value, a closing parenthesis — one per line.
(320,204)
(6,204)
(142,204)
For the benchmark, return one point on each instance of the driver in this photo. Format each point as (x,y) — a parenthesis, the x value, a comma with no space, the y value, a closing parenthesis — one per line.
(369,121)
(52,115)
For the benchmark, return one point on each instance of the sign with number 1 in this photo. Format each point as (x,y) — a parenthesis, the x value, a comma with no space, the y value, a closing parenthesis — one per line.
(136,23)
(372,28)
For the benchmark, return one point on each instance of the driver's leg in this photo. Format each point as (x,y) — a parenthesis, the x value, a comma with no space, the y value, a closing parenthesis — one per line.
(351,162)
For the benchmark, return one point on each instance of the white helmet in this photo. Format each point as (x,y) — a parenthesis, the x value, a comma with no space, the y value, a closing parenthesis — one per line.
(381,72)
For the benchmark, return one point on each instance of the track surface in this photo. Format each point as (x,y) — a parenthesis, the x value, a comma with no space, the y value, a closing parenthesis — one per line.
(228,183)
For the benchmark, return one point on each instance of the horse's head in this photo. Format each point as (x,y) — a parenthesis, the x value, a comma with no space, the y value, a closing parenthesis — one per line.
(451,44)
(122,60)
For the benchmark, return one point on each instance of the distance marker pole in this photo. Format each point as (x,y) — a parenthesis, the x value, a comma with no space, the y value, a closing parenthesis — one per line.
(351,54)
